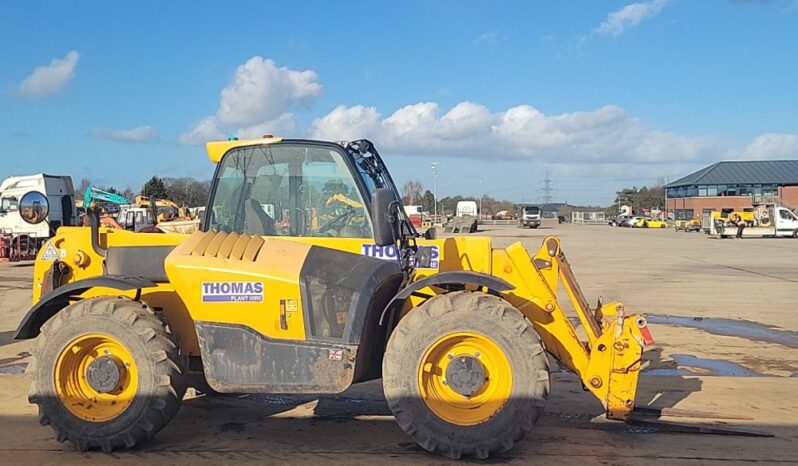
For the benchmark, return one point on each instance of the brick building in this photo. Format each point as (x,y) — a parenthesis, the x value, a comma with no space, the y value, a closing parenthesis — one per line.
(735,185)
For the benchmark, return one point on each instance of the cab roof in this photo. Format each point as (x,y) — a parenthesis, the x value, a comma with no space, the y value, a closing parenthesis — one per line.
(217,149)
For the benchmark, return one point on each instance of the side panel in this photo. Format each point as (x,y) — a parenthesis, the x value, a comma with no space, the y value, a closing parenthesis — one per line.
(238,359)
(241,280)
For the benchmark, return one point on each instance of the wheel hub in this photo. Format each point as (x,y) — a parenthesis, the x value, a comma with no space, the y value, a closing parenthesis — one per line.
(465,375)
(103,374)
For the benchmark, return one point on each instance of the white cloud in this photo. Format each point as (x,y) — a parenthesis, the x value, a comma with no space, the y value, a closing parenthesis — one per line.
(347,123)
(261,91)
(139,134)
(607,134)
(203,131)
(629,16)
(50,79)
(258,100)
(770,146)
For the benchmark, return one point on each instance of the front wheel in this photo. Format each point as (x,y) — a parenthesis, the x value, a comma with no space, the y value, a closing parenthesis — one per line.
(465,374)
(105,374)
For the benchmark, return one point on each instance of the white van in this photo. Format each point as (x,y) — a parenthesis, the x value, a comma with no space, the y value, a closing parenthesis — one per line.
(59,192)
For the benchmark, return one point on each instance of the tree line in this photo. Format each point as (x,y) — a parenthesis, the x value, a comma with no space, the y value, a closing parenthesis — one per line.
(186,192)
(414,194)
(189,192)
(647,197)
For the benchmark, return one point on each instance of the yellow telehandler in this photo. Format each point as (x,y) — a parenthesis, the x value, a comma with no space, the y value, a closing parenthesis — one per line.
(284,291)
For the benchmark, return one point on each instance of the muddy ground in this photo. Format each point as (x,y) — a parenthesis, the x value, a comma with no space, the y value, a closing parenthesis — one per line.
(723,313)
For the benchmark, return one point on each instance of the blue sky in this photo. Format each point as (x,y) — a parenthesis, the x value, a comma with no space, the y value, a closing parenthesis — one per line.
(600,95)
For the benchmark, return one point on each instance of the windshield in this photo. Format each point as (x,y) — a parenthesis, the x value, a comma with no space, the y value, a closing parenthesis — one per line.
(531,209)
(288,190)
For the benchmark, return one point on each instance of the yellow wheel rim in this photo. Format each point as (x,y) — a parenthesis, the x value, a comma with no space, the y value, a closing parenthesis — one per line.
(74,385)
(470,397)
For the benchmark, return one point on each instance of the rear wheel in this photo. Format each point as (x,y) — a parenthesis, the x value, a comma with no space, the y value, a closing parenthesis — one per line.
(105,374)
(465,374)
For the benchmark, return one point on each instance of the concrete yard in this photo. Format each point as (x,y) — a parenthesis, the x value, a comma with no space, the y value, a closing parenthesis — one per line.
(723,313)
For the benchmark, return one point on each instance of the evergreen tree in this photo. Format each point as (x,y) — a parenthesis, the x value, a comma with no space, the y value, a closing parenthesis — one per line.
(155,188)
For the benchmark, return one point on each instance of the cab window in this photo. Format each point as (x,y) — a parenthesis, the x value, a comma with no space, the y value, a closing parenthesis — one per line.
(9,203)
(288,190)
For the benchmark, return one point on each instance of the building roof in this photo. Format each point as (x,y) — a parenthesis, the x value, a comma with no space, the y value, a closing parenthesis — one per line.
(780,172)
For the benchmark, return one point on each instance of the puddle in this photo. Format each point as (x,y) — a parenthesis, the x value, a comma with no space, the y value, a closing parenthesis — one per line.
(668,372)
(717,367)
(733,328)
(18,368)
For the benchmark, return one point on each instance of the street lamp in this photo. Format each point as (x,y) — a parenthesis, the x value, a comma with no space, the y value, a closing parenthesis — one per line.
(481,195)
(434,167)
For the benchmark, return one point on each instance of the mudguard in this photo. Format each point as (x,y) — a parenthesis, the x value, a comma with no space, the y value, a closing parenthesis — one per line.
(59,298)
(460,277)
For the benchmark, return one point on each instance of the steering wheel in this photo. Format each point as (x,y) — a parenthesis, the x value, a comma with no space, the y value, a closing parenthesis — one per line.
(337,222)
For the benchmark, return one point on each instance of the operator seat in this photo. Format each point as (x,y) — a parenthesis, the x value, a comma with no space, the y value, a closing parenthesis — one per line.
(256,221)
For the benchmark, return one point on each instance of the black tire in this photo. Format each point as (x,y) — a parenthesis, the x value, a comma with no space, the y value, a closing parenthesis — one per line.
(504,325)
(134,325)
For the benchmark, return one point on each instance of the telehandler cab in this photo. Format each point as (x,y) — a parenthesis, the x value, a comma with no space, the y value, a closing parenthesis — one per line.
(306,277)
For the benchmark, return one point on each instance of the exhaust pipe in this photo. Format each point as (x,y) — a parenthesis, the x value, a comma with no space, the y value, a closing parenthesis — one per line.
(94,224)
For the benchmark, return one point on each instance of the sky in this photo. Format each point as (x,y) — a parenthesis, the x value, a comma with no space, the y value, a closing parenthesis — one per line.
(594,95)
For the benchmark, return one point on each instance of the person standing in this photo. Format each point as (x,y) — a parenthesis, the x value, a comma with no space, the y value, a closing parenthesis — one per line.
(737,219)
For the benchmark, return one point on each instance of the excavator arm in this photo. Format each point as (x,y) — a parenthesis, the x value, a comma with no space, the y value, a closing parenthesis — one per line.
(92,195)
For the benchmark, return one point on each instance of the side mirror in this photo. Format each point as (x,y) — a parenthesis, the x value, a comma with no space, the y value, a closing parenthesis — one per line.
(383,216)
(431,233)
(34,207)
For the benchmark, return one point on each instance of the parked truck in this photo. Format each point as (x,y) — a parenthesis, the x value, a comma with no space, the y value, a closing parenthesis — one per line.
(467,213)
(529,217)
(60,196)
(768,222)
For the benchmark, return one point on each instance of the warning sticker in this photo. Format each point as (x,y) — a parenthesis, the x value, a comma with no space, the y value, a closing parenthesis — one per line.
(291,306)
(50,253)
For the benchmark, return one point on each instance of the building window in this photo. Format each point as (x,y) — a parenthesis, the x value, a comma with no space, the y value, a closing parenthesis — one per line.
(712,190)
(702,191)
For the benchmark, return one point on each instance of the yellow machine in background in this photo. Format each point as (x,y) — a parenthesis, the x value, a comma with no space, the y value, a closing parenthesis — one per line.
(284,291)
(645,222)
(687,225)
(723,216)
(169,216)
